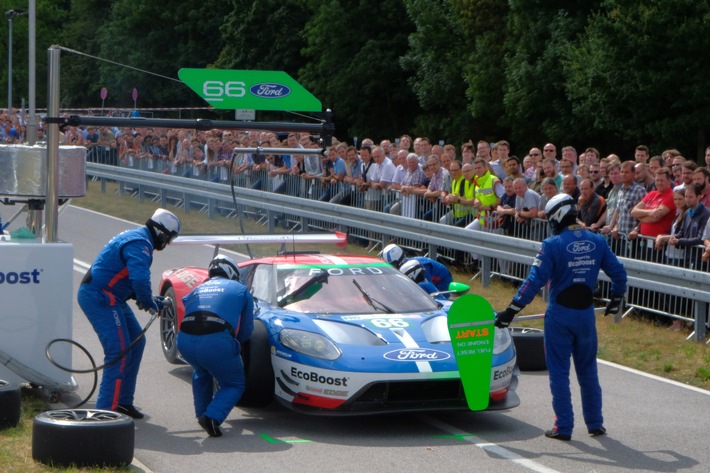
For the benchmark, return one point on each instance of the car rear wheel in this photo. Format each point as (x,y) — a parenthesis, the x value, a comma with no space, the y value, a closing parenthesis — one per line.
(169,329)
(256,354)
(9,404)
(530,348)
(83,437)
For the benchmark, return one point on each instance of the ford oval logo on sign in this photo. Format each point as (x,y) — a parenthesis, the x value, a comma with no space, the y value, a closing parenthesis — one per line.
(416,354)
(581,247)
(269,90)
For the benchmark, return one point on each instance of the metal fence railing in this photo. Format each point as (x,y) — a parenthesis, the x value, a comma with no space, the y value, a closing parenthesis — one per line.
(679,289)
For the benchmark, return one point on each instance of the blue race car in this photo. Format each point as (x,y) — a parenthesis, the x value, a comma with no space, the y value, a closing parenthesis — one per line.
(341,334)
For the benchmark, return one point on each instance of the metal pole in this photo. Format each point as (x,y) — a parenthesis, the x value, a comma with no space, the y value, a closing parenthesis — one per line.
(9,65)
(32,120)
(52,212)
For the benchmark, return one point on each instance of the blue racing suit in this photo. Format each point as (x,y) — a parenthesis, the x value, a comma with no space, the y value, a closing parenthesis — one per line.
(436,273)
(120,272)
(219,317)
(571,262)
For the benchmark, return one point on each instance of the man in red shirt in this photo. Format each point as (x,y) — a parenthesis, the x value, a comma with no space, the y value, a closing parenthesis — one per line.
(655,213)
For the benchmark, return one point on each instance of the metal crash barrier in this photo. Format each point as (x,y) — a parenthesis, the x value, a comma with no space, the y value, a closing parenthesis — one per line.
(678,291)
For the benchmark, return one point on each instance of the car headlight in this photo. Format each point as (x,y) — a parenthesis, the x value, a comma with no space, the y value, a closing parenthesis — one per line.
(309,343)
(501,340)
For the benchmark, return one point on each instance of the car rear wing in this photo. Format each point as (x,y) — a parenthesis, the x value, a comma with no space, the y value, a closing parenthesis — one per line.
(339,239)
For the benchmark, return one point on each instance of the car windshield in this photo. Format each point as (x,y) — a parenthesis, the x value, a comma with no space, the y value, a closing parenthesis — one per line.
(353,289)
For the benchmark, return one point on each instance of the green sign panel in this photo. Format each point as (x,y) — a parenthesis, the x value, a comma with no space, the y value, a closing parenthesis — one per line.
(471,326)
(258,90)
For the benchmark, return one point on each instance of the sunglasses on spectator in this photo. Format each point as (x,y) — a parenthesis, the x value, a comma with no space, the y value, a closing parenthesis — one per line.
(594,172)
(534,154)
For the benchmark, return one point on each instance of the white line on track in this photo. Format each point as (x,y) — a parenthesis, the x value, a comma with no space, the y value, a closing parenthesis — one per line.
(654,377)
(488,446)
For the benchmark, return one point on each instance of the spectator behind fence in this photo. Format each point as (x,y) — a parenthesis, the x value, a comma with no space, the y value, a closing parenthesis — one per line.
(400,162)
(550,170)
(487,193)
(413,186)
(702,176)
(686,174)
(506,208)
(630,194)
(549,190)
(655,213)
(614,173)
(439,184)
(569,186)
(458,213)
(527,204)
(591,206)
(692,225)
(644,177)
(673,254)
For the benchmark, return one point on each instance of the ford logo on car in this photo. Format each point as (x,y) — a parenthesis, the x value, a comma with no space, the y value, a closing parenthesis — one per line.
(269,90)
(416,354)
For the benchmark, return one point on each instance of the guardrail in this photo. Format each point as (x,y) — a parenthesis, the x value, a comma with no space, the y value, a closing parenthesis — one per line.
(210,197)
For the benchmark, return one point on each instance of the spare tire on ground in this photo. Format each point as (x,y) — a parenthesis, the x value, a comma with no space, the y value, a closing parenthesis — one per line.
(9,404)
(83,437)
(530,348)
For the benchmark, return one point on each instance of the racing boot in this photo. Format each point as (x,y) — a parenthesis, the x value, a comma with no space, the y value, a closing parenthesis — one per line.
(210,425)
(597,432)
(129,410)
(555,434)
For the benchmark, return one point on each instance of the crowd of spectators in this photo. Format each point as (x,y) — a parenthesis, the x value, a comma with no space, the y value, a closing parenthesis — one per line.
(650,207)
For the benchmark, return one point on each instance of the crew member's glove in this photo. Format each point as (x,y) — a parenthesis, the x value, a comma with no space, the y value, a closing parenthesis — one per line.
(614,305)
(504,318)
(153,306)
(159,302)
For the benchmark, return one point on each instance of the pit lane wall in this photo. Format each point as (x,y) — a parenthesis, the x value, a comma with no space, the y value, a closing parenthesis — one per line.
(306,213)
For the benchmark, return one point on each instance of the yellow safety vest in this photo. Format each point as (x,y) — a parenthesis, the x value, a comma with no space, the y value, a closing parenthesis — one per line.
(485,192)
(459,209)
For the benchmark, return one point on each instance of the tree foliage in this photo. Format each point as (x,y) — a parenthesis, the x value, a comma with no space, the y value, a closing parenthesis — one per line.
(352,65)
(638,72)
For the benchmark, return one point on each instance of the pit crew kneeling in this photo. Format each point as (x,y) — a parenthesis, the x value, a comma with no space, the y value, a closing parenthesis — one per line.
(219,317)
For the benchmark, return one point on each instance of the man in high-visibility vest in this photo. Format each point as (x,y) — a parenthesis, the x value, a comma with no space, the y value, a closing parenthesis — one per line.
(487,193)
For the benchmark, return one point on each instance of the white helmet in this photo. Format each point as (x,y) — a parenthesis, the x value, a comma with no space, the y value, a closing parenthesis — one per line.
(165,227)
(561,211)
(392,254)
(224,266)
(414,270)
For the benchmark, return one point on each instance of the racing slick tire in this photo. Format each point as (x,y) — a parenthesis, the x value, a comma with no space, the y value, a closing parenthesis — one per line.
(530,348)
(169,329)
(9,404)
(83,437)
(256,354)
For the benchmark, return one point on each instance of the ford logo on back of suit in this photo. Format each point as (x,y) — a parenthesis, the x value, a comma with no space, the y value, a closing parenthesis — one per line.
(416,354)
(269,90)
(581,247)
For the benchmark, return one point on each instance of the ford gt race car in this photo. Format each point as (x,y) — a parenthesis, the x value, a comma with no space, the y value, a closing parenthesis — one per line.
(342,334)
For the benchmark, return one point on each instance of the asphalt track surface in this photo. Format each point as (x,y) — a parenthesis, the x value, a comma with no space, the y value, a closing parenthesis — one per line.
(654,425)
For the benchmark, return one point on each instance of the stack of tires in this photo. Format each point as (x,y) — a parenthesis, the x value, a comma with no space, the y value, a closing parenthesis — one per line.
(83,438)
(9,404)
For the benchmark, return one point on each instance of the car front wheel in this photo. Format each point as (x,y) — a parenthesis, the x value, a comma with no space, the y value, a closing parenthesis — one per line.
(256,354)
